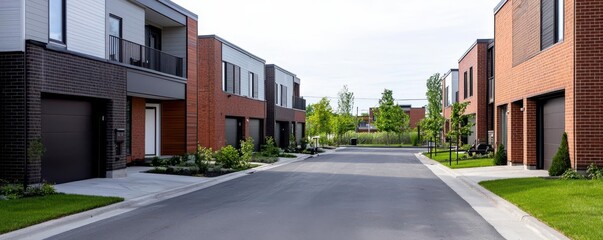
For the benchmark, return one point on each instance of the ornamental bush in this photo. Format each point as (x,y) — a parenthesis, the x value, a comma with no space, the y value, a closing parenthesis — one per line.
(228,157)
(500,158)
(561,160)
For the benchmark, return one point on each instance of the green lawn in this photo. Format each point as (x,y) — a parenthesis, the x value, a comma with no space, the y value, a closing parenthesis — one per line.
(574,207)
(442,157)
(384,145)
(20,213)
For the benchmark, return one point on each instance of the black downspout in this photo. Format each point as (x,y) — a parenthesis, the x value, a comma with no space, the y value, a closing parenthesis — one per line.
(26,176)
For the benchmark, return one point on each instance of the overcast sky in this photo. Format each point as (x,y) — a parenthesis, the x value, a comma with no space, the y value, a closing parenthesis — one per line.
(368,45)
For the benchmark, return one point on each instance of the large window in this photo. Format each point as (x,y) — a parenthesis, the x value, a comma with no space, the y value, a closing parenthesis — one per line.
(115,26)
(470,81)
(231,79)
(284,96)
(253,85)
(551,22)
(465,86)
(56,20)
(277,93)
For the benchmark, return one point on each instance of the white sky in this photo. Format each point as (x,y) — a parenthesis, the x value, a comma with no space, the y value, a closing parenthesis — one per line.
(367,44)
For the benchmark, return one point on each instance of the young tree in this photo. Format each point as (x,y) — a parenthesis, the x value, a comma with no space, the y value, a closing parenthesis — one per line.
(459,123)
(320,120)
(434,121)
(390,117)
(344,121)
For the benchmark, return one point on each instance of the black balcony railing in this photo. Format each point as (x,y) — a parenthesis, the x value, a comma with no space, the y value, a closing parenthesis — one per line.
(127,52)
(299,103)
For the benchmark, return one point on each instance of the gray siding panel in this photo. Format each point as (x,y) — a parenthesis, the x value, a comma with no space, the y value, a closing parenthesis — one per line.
(86,27)
(132,19)
(286,80)
(36,20)
(11,26)
(174,42)
(247,65)
(152,85)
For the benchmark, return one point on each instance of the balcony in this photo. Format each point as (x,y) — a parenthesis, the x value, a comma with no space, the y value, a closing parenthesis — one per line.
(134,54)
(299,103)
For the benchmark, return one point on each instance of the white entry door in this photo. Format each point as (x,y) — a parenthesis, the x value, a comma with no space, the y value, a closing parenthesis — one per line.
(152,133)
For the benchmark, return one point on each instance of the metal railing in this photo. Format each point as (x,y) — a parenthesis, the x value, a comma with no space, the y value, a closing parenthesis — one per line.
(127,52)
(299,103)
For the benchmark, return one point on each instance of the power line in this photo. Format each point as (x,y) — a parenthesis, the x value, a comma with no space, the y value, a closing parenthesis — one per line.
(399,99)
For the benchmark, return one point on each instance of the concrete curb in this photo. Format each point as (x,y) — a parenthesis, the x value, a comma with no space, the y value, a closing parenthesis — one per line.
(531,222)
(60,225)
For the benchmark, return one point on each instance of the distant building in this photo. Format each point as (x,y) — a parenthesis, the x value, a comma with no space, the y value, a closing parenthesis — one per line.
(367,123)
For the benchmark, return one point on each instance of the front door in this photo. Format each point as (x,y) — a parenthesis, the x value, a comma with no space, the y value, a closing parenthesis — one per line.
(152,133)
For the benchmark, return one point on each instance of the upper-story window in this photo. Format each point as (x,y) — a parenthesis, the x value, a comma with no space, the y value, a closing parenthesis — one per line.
(231,78)
(447,97)
(56,20)
(253,85)
(470,81)
(551,22)
(465,86)
(284,96)
(277,94)
(115,25)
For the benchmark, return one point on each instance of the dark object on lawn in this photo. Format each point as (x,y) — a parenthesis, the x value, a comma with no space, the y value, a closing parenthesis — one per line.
(482,149)
(354,141)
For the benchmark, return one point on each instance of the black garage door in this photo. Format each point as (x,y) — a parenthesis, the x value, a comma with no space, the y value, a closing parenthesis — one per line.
(255,132)
(68,136)
(553,127)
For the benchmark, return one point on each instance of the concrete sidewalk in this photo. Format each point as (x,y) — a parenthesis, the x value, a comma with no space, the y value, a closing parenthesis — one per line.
(138,189)
(510,221)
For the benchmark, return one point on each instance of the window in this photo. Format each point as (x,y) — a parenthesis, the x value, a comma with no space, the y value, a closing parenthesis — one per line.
(231,79)
(276,93)
(470,81)
(465,86)
(253,85)
(115,26)
(250,84)
(56,20)
(551,22)
(446,97)
(284,96)
(114,38)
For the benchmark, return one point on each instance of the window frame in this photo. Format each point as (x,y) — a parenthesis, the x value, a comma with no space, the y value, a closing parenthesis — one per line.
(63,23)
(121,29)
(465,85)
(471,82)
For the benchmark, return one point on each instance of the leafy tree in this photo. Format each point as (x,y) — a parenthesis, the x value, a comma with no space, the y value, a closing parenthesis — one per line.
(390,117)
(561,160)
(459,124)
(434,121)
(344,121)
(320,119)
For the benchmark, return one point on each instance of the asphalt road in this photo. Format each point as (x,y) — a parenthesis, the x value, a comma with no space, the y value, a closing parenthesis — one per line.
(352,194)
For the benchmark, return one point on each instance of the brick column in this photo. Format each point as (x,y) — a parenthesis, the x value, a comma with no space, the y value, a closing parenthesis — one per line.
(515,149)
(529,133)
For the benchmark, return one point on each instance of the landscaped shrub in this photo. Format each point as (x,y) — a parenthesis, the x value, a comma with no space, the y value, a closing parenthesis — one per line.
(500,158)
(202,158)
(561,160)
(15,191)
(414,139)
(594,172)
(158,162)
(570,174)
(270,149)
(176,160)
(247,147)
(229,157)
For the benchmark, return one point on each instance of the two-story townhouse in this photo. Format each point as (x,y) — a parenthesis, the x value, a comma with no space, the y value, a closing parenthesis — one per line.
(286,110)
(548,80)
(97,81)
(232,103)
(450,93)
(473,89)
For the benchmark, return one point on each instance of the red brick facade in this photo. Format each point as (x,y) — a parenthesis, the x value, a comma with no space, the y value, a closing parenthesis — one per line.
(476,60)
(215,104)
(525,73)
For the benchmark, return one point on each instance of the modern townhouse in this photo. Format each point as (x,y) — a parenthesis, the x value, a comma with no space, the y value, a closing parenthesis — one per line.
(98,82)
(286,110)
(232,100)
(473,88)
(548,80)
(450,93)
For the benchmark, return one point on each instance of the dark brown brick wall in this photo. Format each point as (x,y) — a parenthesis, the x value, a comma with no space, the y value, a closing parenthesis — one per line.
(67,74)
(589,83)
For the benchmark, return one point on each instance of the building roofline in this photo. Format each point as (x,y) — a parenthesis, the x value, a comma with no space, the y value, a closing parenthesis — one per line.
(281,69)
(478,41)
(499,6)
(227,43)
(449,72)
(180,9)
